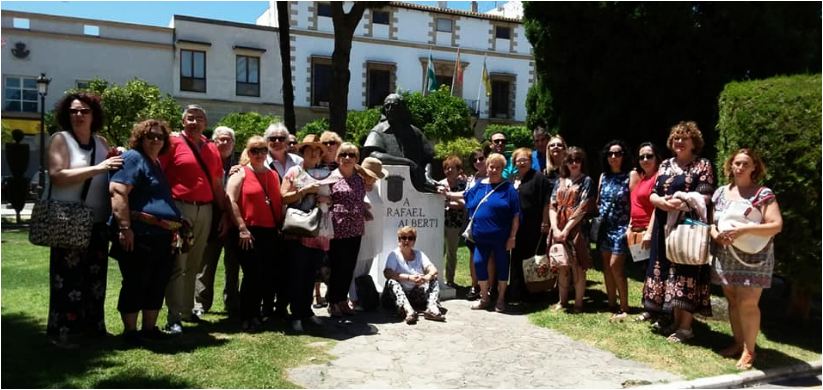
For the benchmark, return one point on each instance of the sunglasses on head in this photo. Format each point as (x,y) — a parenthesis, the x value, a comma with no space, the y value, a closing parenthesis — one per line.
(330,143)
(155,137)
(276,139)
(406,238)
(83,111)
(499,141)
(258,151)
(347,155)
(615,154)
(644,157)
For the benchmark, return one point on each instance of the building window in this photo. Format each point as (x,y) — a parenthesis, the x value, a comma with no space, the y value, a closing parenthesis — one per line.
(501,32)
(444,25)
(444,80)
(500,99)
(21,94)
(82,84)
(320,81)
(324,9)
(22,23)
(380,17)
(248,76)
(378,83)
(89,29)
(192,70)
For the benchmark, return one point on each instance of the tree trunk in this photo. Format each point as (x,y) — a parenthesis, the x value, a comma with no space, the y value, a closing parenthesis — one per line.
(285,60)
(344,26)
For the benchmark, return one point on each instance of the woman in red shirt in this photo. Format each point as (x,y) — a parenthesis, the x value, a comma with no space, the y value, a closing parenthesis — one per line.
(254,193)
(641,185)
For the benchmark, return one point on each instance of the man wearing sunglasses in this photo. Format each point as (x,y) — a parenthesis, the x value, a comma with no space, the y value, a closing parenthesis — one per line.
(498,144)
(395,141)
(194,169)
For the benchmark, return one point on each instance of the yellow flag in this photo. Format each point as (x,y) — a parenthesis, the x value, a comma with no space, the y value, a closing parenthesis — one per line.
(486,82)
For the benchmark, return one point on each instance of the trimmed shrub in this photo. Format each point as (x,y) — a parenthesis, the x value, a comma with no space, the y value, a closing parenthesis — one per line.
(460,147)
(780,119)
(316,126)
(439,115)
(246,125)
(358,125)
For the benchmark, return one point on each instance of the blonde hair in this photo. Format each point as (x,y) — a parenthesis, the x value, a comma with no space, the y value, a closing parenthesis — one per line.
(407,229)
(686,129)
(346,147)
(496,157)
(253,140)
(549,164)
(759,166)
(327,136)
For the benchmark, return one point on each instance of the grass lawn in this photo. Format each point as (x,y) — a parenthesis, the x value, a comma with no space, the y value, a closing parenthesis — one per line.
(213,355)
(780,343)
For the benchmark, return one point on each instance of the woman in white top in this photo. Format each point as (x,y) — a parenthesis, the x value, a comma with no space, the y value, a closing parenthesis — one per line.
(411,280)
(79,164)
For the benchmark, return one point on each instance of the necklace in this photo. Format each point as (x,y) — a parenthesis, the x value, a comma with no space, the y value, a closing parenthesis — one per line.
(264,184)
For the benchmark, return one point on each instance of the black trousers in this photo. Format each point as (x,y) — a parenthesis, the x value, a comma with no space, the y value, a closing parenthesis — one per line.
(303,263)
(343,257)
(146,271)
(257,267)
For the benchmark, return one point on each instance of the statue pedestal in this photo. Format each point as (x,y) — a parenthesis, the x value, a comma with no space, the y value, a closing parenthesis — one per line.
(402,205)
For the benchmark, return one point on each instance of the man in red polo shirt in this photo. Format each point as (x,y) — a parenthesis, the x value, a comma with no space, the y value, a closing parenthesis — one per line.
(196,187)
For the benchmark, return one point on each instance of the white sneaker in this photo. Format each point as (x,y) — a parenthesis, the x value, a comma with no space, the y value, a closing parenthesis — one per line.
(297,326)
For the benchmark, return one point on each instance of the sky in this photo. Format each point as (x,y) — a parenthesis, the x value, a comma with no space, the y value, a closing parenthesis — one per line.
(159,13)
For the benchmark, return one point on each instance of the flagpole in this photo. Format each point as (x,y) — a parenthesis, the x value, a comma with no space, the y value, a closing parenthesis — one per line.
(454,73)
(426,79)
(480,85)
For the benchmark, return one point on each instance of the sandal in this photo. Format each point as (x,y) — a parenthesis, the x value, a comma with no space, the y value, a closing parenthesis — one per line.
(618,317)
(646,316)
(681,336)
(500,307)
(557,307)
(731,351)
(321,302)
(746,360)
(432,316)
(482,304)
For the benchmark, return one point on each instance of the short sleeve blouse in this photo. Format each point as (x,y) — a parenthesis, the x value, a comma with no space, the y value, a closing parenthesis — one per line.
(348,207)
(150,191)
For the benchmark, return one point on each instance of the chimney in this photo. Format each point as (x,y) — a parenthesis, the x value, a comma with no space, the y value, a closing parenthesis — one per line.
(474,6)
(442,4)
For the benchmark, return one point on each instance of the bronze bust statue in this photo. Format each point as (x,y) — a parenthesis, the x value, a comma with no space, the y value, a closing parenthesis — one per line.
(395,141)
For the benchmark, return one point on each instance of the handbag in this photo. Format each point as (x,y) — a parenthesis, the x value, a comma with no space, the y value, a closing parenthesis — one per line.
(302,223)
(594,230)
(742,212)
(63,224)
(688,243)
(537,272)
(467,233)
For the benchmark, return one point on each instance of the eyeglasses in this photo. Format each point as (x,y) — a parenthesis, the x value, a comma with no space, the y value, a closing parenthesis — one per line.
(82,111)
(347,155)
(575,161)
(329,143)
(155,137)
(406,238)
(479,159)
(556,145)
(499,141)
(644,157)
(258,151)
(522,161)
(615,154)
(277,139)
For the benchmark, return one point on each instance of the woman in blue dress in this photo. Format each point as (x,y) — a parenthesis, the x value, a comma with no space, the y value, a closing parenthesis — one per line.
(613,207)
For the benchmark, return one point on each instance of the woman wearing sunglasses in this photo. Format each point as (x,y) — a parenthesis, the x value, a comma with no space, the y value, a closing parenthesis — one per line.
(641,185)
(254,194)
(348,213)
(613,207)
(571,200)
(411,280)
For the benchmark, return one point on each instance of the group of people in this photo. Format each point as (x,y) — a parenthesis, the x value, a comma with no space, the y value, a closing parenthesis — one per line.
(512,203)
(167,207)
(171,203)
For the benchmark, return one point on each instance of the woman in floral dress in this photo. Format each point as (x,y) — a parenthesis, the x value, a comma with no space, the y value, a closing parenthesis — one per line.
(677,288)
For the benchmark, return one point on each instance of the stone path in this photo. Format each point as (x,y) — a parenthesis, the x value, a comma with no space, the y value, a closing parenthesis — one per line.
(473,349)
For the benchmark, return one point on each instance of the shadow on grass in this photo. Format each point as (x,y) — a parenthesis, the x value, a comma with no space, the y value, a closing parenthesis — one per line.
(29,361)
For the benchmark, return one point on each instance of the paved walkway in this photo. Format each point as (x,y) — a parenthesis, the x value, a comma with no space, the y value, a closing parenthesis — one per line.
(473,349)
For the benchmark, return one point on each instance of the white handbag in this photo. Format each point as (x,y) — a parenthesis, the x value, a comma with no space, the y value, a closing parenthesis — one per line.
(688,243)
(739,213)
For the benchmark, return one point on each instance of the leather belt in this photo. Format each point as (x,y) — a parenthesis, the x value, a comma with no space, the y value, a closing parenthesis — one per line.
(196,203)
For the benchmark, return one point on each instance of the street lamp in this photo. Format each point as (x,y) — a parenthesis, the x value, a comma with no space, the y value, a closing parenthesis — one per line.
(42,90)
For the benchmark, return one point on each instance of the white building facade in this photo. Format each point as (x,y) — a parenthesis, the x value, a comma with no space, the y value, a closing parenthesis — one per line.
(236,67)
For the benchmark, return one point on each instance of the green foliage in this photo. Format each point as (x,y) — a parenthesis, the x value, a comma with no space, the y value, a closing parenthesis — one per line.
(517,136)
(133,102)
(780,119)
(539,110)
(439,115)
(359,123)
(316,126)
(460,147)
(246,125)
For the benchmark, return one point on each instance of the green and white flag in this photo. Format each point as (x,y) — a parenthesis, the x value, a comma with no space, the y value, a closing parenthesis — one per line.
(431,83)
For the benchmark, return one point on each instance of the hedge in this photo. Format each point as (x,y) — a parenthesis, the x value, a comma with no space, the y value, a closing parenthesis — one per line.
(358,125)
(780,119)
(246,125)
(516,135)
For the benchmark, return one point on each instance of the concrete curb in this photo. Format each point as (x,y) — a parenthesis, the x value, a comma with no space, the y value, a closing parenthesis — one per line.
(743,378)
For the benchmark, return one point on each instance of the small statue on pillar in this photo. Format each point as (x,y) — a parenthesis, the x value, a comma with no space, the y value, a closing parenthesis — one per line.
(17,155)
(395,141)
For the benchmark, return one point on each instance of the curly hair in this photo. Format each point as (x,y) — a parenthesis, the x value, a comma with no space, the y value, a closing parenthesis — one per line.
(759,166)
(625,163)
(453,161)
(139,131)
(64,116)
(572,152)
(686,129)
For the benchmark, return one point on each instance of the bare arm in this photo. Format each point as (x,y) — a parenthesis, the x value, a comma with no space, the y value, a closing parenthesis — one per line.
(233,190)
(58,164)
(120,209)
(512,236)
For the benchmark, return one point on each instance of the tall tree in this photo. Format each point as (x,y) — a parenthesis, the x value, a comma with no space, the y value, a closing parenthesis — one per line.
(283,22)
(344,26)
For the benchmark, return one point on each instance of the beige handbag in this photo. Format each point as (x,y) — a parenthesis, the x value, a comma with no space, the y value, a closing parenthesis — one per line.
(688,243)
(537,272)
(558,255)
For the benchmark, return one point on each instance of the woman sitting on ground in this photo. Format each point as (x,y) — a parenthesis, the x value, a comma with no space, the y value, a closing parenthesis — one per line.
(411,280)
